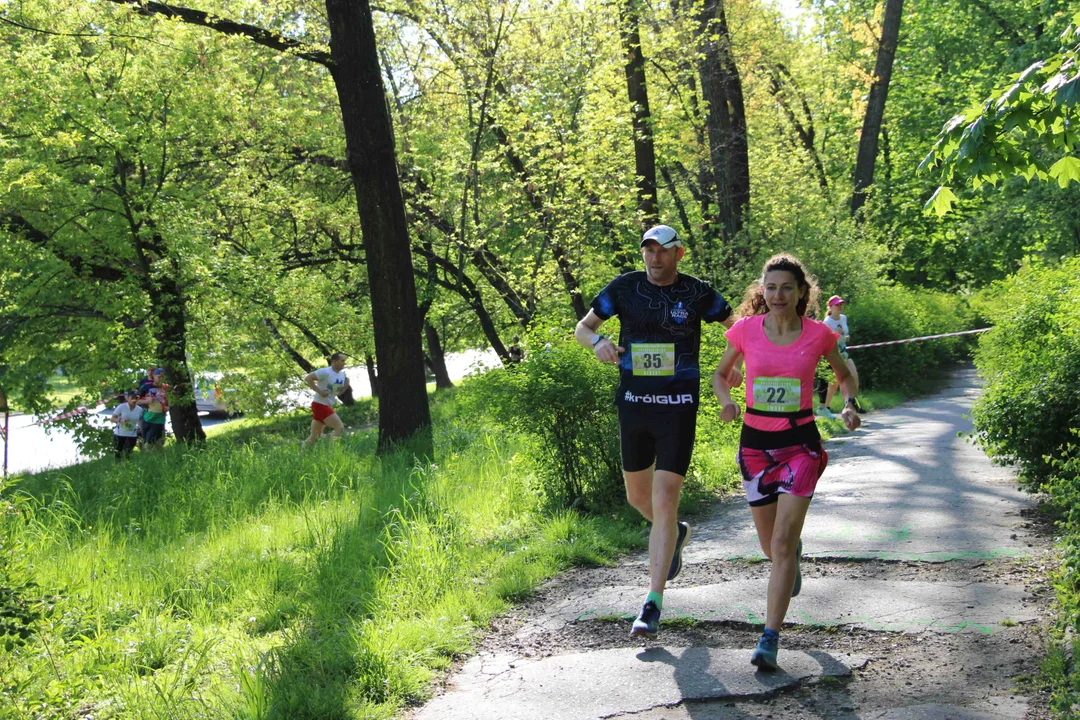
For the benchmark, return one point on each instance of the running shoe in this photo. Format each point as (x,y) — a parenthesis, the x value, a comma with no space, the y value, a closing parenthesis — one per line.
(797,587)
(825,412)
(764,656)
(676,558)
(648,622)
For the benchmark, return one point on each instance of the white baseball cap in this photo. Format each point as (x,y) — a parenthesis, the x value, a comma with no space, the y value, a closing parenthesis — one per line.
(666,236)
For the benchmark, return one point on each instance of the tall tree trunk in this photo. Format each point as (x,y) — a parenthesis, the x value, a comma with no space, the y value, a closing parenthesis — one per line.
(369,142)
(373,376)
(725,123)
(875,105)
(644,154)
(170,305)
(437,357)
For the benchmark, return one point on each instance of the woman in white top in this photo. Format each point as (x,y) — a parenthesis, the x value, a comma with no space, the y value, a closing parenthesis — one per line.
(837,322)
(126,432)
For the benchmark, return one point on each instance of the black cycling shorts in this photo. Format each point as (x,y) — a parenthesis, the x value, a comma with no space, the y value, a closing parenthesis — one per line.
(666,438)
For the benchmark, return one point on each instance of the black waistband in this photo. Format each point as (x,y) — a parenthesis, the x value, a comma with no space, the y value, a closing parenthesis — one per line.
(765,440)
(789,415)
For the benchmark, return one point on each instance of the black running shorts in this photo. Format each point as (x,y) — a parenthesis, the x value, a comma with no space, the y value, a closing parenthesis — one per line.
(666,438)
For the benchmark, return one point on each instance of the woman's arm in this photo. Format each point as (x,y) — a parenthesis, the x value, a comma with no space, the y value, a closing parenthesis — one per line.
(722,383)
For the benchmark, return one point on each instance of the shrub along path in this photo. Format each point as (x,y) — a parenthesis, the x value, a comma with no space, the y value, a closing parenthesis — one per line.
(925,596)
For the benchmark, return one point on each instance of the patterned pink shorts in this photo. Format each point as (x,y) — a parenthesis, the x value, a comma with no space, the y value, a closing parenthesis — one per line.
(767,473)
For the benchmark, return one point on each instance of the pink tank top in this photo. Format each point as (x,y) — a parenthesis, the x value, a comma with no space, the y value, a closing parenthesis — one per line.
(779,378)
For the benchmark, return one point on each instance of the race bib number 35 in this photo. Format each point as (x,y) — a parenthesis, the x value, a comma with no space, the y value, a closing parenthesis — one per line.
(653,359)
(777,394)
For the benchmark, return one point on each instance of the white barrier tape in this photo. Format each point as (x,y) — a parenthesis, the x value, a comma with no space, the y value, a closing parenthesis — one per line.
(926,337)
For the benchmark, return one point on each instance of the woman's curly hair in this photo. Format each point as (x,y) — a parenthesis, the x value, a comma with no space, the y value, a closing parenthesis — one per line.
(754,301)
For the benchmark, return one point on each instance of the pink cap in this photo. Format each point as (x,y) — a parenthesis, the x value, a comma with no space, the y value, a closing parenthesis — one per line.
(836,300)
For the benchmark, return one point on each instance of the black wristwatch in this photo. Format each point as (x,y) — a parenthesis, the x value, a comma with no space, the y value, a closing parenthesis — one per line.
(851,401)
(597,339)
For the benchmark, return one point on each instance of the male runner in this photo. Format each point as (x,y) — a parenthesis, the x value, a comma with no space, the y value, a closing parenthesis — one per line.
(328,383)
(660,313)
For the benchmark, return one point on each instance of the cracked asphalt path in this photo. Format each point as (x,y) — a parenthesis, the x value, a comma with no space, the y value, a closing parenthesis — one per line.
(925,596)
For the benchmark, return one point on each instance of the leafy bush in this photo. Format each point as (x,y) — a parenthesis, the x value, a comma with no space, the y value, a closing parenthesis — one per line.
(1031,364)
(1064,489)
(562,397)
(894,313)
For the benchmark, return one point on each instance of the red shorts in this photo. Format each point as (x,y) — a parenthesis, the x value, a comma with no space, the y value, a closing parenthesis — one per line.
(321,411)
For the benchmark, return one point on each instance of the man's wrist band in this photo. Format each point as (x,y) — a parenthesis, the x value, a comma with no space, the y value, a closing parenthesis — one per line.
(596,339)
(850,401)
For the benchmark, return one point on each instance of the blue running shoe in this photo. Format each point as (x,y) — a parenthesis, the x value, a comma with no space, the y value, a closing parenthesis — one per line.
(676,558)
(764,656)
(648,621)
(797,587)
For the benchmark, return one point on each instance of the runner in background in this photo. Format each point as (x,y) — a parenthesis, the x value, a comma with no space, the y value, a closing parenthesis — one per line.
(144,387)
(156,404)
(780,455)
(127,417)
(660,313)
(515,352)
(838,323)
(328,383)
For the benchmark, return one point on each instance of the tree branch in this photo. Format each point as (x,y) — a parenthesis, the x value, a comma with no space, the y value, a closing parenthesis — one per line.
(258,35)
(19,225)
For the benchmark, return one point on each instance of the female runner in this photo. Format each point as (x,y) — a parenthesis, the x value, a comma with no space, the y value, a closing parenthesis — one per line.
(780,454)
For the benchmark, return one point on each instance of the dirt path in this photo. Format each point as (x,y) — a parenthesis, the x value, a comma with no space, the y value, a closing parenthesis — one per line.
(925,597)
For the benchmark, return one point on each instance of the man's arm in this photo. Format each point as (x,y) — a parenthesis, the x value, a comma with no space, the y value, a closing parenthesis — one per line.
(312,381)
(587,336)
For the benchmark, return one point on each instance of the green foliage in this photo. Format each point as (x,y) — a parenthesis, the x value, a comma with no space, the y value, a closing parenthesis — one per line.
(252,580)
(985,142)
(1031,364)
(1060,673)
(896,313)
(1064,490)
(563,398)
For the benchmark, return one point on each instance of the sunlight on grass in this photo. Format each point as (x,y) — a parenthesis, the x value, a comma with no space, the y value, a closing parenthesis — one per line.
(250,579)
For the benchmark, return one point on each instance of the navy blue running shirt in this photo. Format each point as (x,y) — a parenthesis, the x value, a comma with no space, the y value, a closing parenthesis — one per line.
(660,328)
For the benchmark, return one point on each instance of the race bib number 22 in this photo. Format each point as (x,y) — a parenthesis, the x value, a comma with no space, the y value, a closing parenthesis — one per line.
(777,394)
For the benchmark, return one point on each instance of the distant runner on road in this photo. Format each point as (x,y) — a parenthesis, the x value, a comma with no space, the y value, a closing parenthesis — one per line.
(660,312)
(328,383)
(780,454)
(838,323)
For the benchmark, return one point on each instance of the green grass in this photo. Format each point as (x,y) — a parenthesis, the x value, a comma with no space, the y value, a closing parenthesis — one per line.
(63,390)
(250,580)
